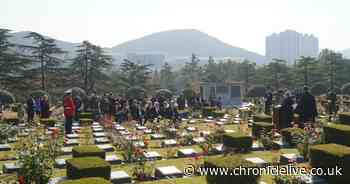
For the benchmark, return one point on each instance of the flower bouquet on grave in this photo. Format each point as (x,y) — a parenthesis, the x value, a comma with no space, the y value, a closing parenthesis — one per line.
(143,171)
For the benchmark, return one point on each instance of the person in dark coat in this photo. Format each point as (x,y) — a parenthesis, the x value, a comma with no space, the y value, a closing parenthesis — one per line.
(78,107)
(332,104)
(30,109)
(286,111)
(45,107)
(306,108)
(268,102)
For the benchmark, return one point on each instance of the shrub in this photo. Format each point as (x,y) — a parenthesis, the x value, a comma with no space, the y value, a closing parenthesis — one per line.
(88,167)
(237,141)
(344,118)
(319,89)
(88,151)
(218,114)
(85,115)
(258,127)
(87,181)
(208,111)
(229,162)
(48,122)
(262,118)
(337,133)
(86,121)
(6,97)
(331,156)
(292,136)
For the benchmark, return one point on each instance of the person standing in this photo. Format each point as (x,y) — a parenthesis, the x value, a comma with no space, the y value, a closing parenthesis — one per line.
(69,111)
(30,109)
(268,102)
(286,111)
(45,107)
(306,108)
(78,107)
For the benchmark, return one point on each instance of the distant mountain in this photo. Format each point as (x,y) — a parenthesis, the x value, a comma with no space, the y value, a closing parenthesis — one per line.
(182,43)
(346,53)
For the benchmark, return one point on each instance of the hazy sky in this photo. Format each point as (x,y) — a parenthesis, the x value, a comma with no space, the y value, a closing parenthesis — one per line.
(243,23)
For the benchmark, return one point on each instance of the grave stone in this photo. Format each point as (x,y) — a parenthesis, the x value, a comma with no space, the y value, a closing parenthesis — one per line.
(188,152)
(257,161)
(99,134)
(106,147)
(120,177)
(113,159)
(132,138)
(76,124)
(219,123)
(290,158)
(10,168)
(168,172)
(71,142)
(76,128)
(119,128)
(95,123)
(208,121)
(152,155)
(191,129)
(97,129)
(257,147)
(57,180)
(147,131)
(219,149)
(157,136)
(60,163)
(141,128)
(12,140)
(66,150)
(5,147)
(169,143)
(102,140)
(72,136)
(199,140)
(192,121)
(229,131)
(124,133)
(139,144)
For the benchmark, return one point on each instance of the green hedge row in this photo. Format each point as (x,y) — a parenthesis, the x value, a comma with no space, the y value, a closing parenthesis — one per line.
(262,118)
(237,141)
(86,115)
(48,122)
(289,135)
(231,162)
(84,121)
(88,167)
(344,118)
(208,111)
(260,127)
(329,156)
(88,151)
(87,181)
(337,133)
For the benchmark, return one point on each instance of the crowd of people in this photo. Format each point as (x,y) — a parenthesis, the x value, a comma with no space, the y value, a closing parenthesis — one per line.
(38,106)
(302,103)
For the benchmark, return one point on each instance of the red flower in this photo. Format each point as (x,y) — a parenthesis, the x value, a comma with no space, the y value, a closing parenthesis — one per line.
(21,180)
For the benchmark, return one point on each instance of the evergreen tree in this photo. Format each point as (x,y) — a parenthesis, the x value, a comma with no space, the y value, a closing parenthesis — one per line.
(44,53)
(12,64)
(167,77)
(246,71)
(134,75)
(90,65)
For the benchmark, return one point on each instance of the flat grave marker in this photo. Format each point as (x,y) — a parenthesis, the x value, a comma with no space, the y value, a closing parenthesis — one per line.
(187,152)
(120,177)
(113,159)
(168,171)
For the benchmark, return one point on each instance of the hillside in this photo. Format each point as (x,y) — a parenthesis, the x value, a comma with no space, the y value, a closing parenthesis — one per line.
(182,43)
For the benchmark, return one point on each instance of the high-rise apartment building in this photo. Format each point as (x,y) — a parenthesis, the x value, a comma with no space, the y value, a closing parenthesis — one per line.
(290,45)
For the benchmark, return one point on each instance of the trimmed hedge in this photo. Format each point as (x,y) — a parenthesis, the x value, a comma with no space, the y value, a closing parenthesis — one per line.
(88,167)
(84,121)
(262,118)
(337,133)
(88,151)
(331,156)
(288,135)
(237,141)
(231,162)
(208,111)
(48,122)
(344,118)
(87,181)
(218,114)
(258,127)
(86,115)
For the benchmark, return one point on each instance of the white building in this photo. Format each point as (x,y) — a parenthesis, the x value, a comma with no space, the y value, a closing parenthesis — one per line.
(290,45)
